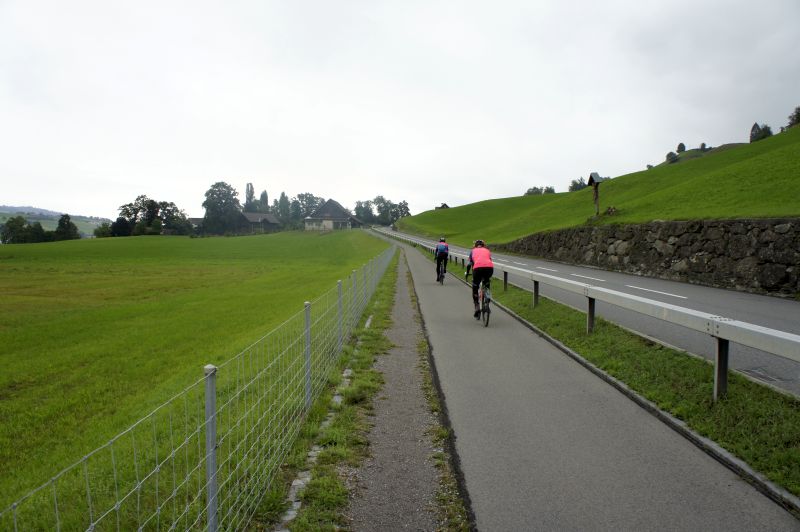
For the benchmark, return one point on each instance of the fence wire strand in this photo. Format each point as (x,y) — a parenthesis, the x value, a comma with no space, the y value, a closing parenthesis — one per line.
(153,475)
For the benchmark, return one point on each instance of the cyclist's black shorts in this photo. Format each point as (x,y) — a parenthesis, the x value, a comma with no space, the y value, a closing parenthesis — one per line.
(441,258)
(478,275)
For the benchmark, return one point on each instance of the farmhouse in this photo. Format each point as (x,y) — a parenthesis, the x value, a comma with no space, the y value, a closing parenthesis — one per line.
(331,216)
(261,222)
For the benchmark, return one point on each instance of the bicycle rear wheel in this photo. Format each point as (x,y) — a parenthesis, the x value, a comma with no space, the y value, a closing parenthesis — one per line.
(485,311)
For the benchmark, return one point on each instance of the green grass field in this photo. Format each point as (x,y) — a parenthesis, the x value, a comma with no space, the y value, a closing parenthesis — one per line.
(753,180)
(96,333)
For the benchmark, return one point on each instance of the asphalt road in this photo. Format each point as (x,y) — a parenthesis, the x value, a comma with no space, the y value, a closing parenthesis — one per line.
(546,445)
(767,311)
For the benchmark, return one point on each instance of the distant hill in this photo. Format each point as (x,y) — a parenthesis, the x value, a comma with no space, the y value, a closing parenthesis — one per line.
(49,219)
(755,180)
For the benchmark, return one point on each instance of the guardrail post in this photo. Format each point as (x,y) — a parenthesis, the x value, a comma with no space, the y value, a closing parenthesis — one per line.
(535,293)
(308,356)
(210,372)
(721,369)
(505,281)
(590,316)
(340,315)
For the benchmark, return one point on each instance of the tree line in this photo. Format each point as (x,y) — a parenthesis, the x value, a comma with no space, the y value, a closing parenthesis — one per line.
(17,230)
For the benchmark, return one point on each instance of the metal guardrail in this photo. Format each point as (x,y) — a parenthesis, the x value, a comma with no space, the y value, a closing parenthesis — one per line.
(724,330)
(206,457)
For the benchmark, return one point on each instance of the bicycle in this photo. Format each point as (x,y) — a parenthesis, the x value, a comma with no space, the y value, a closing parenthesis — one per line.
(484,297)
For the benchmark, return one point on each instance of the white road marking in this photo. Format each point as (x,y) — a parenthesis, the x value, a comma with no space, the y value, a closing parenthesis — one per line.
(520,263)
(656,291)
(585,277)
(501,260)
(548,269)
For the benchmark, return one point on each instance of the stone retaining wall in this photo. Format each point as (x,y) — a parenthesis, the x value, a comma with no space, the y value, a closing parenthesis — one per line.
(750,255)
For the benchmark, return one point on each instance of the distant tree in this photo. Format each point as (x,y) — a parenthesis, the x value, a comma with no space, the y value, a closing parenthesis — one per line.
(577,184)
(223,211)
(760,132)
(672,157)
(103,230)
(250,204)
(140,207)
(794,118)
(549,190)
(534,191)
(13,231)
(364,212)
(755,130)
(172,220)
(295,212)
(121,227)
(283,210)
(385,208)
(402,209)
(309,203)
(263,202)
(155,228)
(66,230)
(36,233)
(703,147)
(681,148)
(649,166)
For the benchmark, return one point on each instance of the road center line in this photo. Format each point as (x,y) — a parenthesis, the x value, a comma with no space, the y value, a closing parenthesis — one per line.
(656,291)
(547,269)
(585,277)
(520,263)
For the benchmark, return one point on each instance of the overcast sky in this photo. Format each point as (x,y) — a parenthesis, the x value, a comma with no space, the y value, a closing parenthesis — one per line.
(425,101)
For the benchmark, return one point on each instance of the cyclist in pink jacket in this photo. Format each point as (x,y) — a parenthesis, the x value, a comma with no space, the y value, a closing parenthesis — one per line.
(480,260)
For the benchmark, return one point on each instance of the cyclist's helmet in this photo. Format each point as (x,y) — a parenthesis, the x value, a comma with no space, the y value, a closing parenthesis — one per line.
(441,239)
(480,243)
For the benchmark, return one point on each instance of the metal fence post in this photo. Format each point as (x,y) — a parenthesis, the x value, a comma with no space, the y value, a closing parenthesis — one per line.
(364,274)
(354,310)
(211,446)
(535,293)
(590,316)
(505,281)
(340,315)
(308,355)
(721,369)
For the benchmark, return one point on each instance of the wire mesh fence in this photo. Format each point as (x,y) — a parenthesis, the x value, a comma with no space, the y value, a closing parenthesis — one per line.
(204,459)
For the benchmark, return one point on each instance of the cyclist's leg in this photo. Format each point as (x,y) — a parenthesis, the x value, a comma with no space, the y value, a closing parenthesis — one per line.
(476,281)
(487,279)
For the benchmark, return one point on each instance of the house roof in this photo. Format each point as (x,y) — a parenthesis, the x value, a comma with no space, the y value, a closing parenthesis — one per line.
(260,217)
(332,210)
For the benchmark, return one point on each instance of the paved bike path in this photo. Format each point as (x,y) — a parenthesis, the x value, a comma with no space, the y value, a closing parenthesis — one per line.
(546,445)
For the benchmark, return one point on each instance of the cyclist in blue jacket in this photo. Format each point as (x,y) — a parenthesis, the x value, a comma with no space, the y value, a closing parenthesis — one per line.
(442,252)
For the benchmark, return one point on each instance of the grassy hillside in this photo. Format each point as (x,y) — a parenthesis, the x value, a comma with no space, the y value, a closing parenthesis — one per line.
(85,224)
(95,333)
(752,180)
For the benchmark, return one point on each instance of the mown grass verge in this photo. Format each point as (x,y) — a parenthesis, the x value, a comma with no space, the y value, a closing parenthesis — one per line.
(344,443)
(755,423)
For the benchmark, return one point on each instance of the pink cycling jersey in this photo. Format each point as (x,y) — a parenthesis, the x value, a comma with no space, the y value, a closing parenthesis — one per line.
(481,258)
